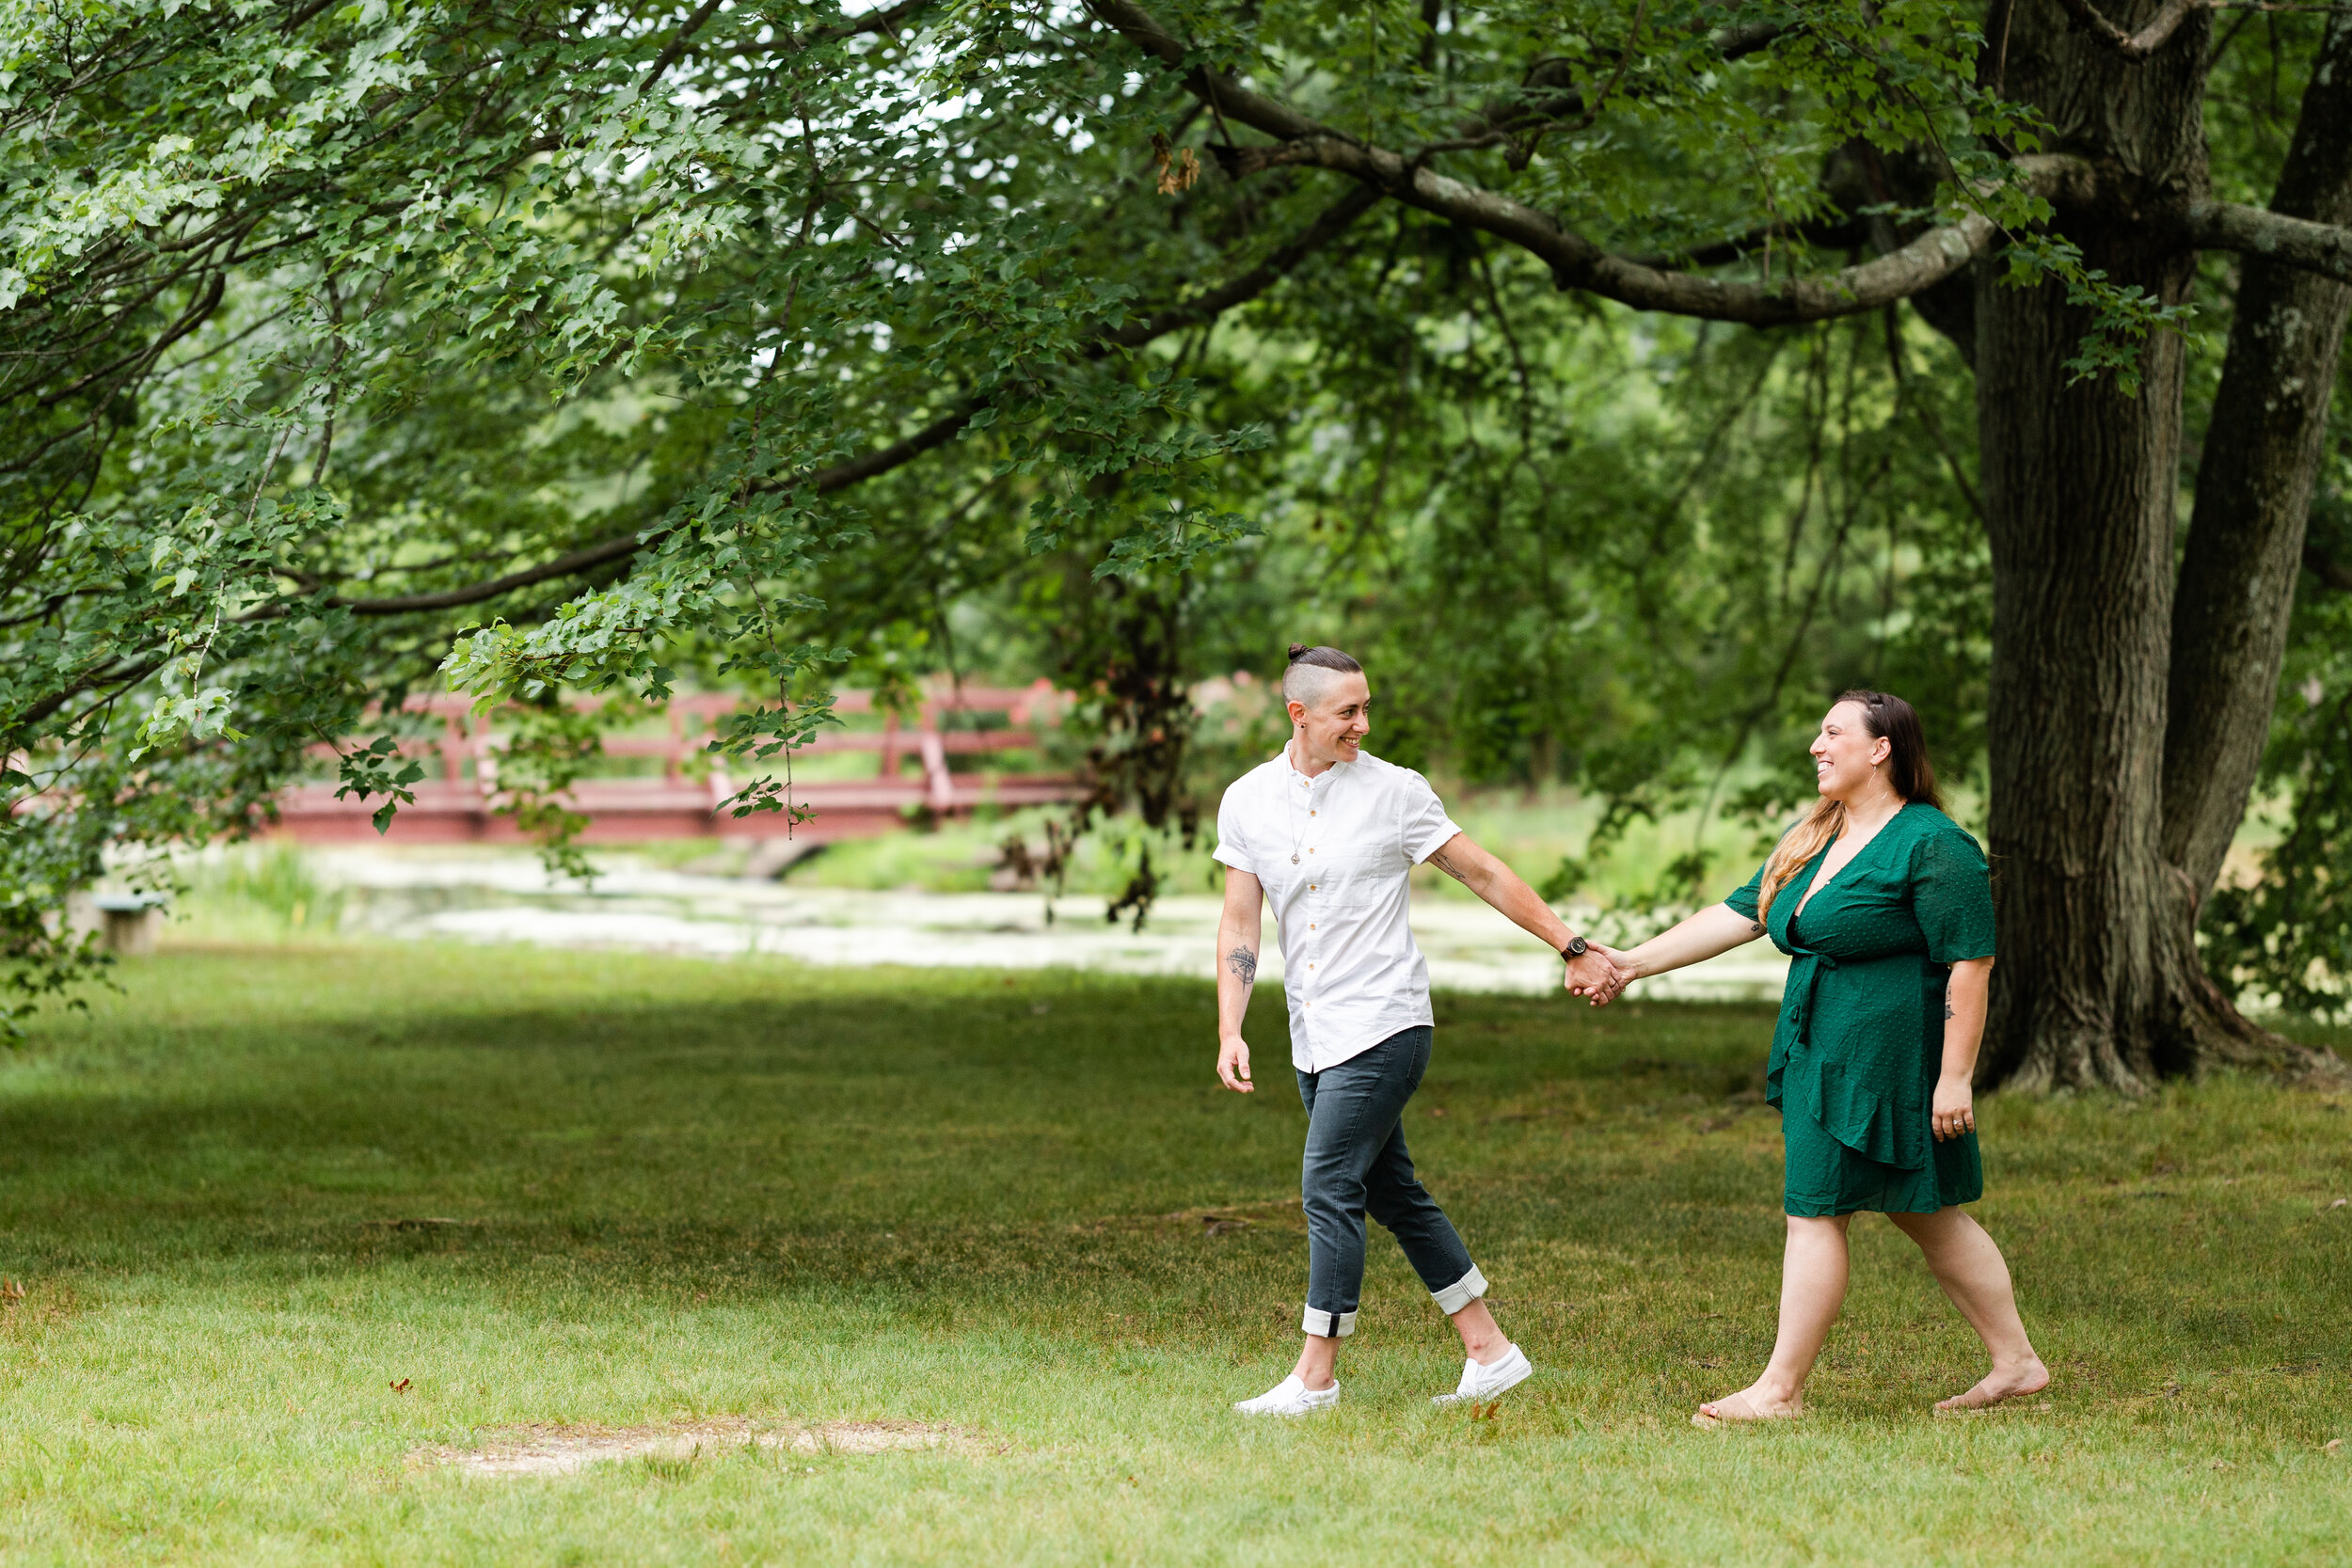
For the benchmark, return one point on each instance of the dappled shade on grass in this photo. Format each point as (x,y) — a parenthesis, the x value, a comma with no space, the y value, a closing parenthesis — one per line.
(262,1190)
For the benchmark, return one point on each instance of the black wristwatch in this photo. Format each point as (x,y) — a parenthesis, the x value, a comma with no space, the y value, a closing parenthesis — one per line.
(1574,950)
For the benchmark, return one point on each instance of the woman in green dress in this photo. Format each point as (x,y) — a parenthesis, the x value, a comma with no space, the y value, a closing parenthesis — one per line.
(1883,905)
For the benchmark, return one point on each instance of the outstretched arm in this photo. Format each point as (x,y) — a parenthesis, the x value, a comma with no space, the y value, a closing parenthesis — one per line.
(1237,931)
(1717,928)
(1498,884)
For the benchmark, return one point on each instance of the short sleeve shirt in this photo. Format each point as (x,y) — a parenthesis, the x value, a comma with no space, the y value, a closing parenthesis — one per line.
(1334,853)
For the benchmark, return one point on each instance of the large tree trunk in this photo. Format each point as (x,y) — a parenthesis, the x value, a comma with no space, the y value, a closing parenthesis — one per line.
(2245,537)
(2254,494)
(2078,486)
(2127,728)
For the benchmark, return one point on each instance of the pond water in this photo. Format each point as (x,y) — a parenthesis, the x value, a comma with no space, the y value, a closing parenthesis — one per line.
(489,896)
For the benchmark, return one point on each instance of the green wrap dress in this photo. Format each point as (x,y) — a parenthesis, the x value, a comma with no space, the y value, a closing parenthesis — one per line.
(1860,1041)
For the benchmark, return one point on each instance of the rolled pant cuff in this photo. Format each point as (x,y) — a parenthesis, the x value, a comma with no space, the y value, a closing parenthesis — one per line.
(1461,1293)
(1330,1325)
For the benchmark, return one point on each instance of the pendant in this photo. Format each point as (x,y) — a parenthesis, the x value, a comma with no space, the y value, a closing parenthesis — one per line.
(1293,858)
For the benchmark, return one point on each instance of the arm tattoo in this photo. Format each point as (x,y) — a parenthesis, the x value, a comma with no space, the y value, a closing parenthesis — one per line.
(1756,928)
(1442,862)
(1947,1010)
(1241,961)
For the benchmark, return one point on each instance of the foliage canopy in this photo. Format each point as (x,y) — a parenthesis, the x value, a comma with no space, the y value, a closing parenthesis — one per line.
(540,349)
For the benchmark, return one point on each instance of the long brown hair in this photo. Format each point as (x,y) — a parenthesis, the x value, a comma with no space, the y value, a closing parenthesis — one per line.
(1887,717)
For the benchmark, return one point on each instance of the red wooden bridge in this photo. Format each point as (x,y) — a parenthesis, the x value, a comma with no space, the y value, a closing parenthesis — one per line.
(950,727)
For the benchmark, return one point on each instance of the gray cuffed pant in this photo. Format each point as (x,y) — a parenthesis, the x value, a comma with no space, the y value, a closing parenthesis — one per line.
(1356,1163)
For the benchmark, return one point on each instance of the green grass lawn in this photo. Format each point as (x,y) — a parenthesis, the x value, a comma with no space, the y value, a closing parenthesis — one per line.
(699,1190)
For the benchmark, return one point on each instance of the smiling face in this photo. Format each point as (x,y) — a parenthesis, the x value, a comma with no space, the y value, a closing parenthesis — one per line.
(1332,724)
(1849,761)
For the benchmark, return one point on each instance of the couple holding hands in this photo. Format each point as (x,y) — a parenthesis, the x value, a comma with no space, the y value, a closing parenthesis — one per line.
(1880,901)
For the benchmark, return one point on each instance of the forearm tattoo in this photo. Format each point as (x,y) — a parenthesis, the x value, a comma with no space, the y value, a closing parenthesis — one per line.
(1241,961)
(1948,1012)
(1445,864)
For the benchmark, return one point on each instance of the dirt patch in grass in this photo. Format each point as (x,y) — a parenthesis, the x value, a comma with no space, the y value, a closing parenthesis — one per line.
(28,1308)
(563,1450)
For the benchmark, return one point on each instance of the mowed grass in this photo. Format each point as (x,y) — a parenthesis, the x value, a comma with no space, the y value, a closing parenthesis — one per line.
(745,1189)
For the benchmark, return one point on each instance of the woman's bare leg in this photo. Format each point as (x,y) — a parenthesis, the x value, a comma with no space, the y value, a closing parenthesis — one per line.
(1812,1290)
(1968,1264)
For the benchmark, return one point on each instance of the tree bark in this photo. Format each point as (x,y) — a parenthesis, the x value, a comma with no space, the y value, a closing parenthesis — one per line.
(2078,486)
(2254,494)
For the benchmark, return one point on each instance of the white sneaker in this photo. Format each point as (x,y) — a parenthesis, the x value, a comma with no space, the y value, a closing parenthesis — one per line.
(1289,1397)
(1485,1383)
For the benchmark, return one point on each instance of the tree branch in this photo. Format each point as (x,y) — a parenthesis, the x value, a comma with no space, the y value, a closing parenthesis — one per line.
(1250,284)
(884,21)
(1848,234)
(1229,97)
(824,481)
(684,36)
(578,561)
(2134,47)
(1132,334)
(1992,59)
(2320,248)
(121,677)
(1576,262)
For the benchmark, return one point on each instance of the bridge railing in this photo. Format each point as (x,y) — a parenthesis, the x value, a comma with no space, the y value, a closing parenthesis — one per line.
(458,801)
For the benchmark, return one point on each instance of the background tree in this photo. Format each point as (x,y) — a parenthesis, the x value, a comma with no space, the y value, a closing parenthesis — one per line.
(755,343)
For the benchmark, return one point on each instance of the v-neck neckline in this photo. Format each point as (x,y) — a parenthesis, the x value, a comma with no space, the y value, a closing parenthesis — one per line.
(1813,885)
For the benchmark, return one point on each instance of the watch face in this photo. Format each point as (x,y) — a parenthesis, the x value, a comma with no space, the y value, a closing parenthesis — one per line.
(1575,949)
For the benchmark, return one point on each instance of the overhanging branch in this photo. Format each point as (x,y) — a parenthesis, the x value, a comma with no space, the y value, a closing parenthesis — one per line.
(1549,93)
(884,21)
(584,560)
(2320,248)
(1135,333)
(1845,234)
(1576,262)
(2134,47)
(1249,285)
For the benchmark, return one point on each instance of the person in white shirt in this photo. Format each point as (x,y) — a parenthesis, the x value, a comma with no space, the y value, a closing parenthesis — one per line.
(1328,835)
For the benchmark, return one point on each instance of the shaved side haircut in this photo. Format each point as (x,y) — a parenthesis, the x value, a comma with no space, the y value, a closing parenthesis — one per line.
(1311,672)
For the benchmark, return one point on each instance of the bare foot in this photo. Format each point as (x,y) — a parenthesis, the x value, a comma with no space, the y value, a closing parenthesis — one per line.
(1747,1405)
(2030,1378)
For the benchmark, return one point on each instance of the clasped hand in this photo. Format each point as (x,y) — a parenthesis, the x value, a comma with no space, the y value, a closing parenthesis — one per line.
(1599,974)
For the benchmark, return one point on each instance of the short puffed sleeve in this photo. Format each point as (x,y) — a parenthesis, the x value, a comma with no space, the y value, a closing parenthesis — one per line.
(1743,903)
(1232,829)
(1423,826)
(1951,895)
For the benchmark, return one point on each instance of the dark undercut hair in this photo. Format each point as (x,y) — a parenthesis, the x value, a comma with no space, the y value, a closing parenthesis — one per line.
(1312,668)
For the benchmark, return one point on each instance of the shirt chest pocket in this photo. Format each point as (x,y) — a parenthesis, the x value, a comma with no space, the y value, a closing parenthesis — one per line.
(1350,881)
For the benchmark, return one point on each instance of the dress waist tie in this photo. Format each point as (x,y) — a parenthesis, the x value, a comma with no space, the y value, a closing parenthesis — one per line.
(1799,992)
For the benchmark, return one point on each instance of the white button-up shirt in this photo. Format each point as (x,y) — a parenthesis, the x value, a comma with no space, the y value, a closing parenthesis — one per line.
(1333,853)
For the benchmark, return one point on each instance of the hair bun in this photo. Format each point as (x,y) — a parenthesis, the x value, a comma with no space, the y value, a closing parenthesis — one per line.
(1296,649)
